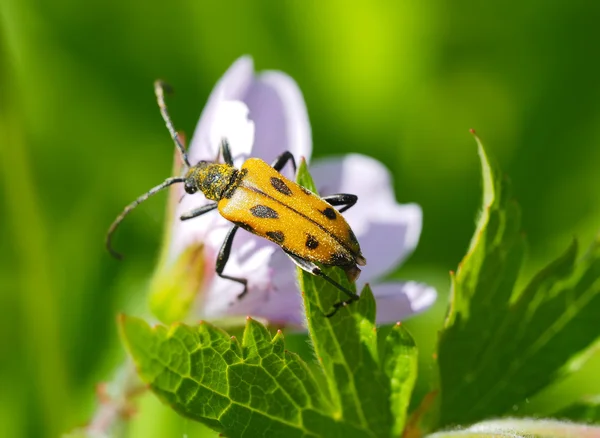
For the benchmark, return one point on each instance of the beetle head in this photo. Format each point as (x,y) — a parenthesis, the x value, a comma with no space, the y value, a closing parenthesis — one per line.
(210,178)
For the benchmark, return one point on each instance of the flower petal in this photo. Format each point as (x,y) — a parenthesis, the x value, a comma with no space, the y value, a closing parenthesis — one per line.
(388,239)
(399,300)
(231,123)
(284,302)
(249,259)
(272,289)
(387,231)
(276,106)
(279,112)
(232,86)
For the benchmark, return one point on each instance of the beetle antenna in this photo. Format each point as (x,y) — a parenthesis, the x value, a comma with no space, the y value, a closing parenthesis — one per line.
(159,89)
(168,182)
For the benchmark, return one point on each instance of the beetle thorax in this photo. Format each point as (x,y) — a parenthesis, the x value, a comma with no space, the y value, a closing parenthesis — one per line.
(212,179)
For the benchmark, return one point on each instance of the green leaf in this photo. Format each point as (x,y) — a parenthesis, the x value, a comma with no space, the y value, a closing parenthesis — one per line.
(500,346)
(368,392)
(400,365)
(585,411)
(252,388)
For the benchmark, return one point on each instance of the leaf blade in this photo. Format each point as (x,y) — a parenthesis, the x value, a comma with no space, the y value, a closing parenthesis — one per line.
(400,365)
(498,346)
(236,389)
(346,347)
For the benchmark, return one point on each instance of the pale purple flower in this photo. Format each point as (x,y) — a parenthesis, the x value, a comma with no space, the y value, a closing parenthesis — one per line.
(262,116)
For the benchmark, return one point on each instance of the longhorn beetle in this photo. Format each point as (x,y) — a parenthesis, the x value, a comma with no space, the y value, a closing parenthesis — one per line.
(260,200)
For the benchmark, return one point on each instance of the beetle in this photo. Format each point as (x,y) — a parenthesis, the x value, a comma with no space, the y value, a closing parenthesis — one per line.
(260,200)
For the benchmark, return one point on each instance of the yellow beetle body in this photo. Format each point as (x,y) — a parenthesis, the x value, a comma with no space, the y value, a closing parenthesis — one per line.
(269,205)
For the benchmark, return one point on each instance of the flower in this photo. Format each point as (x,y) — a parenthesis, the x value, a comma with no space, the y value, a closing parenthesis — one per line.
(262,116)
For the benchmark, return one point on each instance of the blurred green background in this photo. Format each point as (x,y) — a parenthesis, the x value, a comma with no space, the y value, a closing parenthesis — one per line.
(81,136)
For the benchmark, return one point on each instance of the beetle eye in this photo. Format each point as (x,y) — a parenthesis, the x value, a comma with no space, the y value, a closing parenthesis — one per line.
(190,187)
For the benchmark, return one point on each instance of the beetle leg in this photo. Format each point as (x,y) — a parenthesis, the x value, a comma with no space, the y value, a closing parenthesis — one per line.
(226,152)
(339,305)
(336,306)
(313,269)
(223,257)
(282,160)
(341,199)
(198,211)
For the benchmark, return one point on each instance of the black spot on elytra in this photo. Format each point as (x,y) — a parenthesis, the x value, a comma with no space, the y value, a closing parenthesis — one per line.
(311,242)
(280,186)
(329,213)
(244,226)
(264,212)
(276,236)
